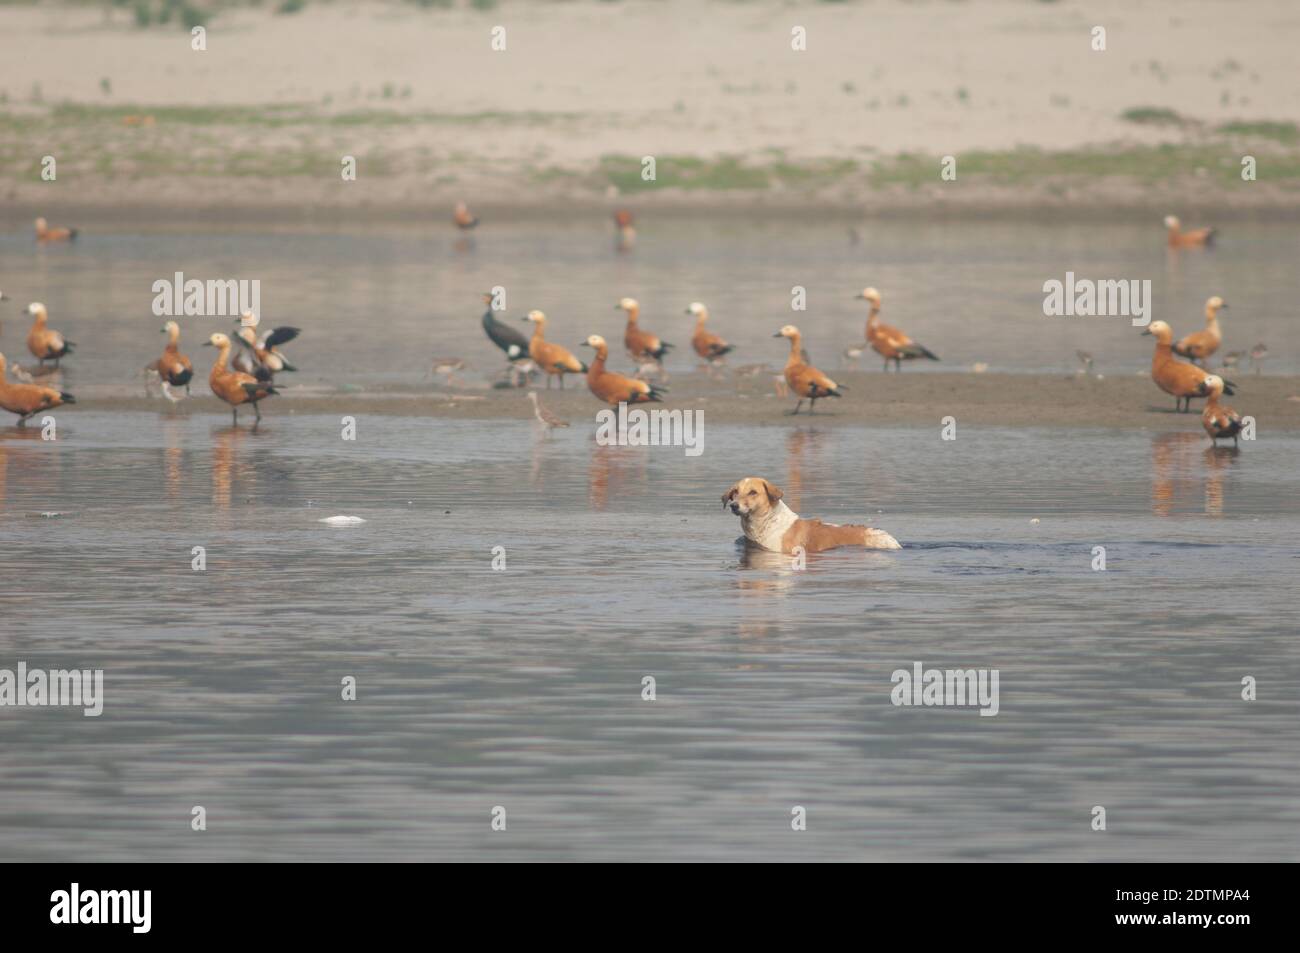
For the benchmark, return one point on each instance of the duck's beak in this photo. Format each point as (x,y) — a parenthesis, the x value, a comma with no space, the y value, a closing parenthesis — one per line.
(777,334)
(207,344)
(859,297)
(1146,333)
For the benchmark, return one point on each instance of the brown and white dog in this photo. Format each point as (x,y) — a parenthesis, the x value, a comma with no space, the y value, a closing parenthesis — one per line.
(769,523)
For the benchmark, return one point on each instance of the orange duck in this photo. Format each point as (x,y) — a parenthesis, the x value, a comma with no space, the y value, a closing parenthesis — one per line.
(264,358)
(173,368)
(45,234)
(640,344)
(613,388)
(1201,344)
(1183,381)
(555,360)
(707,345)
(1177,238)
(1219,421)
(802,378)
(28,399)
(890,343)
(624,230)
(45,343)
(463,218)
(235,387)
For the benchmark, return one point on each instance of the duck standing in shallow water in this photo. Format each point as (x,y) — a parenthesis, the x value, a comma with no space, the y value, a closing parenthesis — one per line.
(1219,421)
(711,348)
(642,346)
(1183,381)
(173,368)
(463,218)
(890,343)
(28,399)
(615,389)
(624,230)
(1199,345)
(235,387)
(45,343)
(554,359)
(264,358)
(802,378)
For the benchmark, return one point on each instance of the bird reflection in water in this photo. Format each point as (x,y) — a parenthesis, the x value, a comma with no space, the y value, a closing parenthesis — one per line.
(616,470)
(1180,462)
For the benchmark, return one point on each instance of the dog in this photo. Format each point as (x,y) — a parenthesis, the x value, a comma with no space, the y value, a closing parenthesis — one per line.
(767,522)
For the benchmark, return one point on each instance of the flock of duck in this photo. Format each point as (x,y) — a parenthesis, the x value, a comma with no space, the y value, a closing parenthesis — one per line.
(250,377)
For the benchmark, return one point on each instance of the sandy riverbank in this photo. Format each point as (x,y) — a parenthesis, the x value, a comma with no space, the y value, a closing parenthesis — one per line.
(256,125)
(872,400)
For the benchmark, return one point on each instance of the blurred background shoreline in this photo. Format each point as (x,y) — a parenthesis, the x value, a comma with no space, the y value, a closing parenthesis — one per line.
(254,128)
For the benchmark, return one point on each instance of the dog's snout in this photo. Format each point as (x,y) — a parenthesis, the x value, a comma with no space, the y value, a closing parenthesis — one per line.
(735,508)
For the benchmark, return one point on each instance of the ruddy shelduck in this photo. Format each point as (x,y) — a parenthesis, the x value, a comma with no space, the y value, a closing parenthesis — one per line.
(1177,238)
(615,389)
(173,368)
(235,387)
(804,379)
(554,359)
(1201,344)
(1183,381)
(28,399)
(890,343)
(267,359)
(45,343)
(707,345)
(641,344)
(624,230)
(463,218)
(769,524)
(45,234)
(1219,421)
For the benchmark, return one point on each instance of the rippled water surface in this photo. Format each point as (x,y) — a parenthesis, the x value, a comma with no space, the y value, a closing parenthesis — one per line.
(522,688)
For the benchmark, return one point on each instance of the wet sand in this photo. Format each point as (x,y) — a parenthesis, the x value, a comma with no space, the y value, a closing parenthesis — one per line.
(872,399)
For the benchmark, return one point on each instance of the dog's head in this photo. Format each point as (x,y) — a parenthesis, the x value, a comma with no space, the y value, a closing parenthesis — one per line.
(751,496)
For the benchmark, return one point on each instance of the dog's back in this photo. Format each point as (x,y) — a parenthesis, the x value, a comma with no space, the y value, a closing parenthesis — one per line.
(815,536)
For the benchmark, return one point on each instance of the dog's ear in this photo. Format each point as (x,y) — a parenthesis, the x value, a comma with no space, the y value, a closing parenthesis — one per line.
(730,494)
(773,492)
